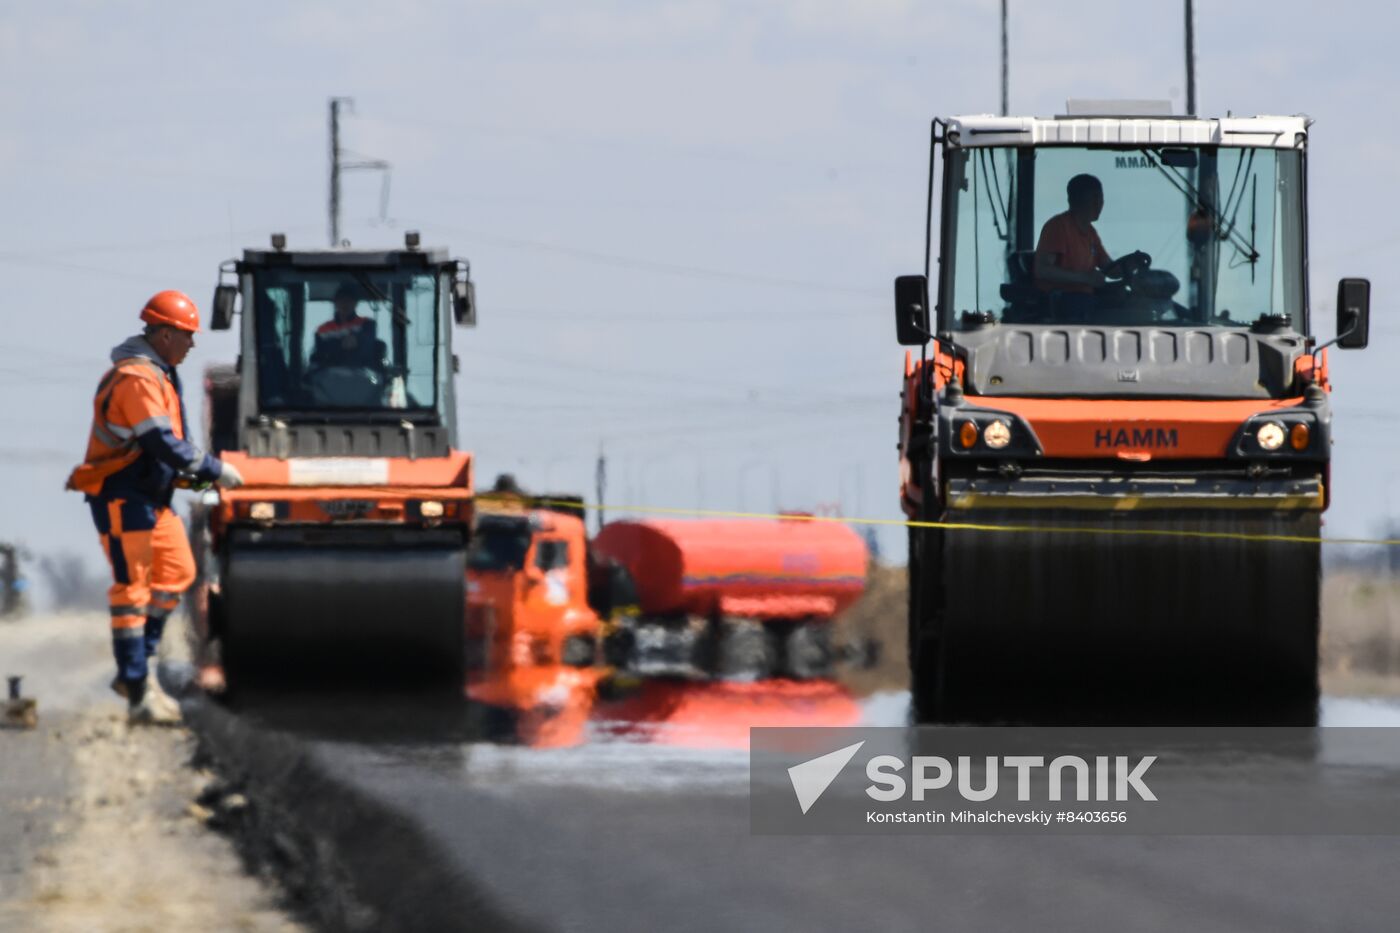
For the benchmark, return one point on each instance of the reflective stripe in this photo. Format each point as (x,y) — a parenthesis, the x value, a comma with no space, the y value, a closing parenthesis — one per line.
(120,633)
(150,424)
(108,438)
(117,611)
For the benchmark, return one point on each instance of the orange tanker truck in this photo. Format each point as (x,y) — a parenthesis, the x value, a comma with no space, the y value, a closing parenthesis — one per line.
(1118,428)
(346,548)
(733,599)
(654,619)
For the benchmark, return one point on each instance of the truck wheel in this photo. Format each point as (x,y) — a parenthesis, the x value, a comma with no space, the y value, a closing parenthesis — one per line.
(744,651)
(807,653)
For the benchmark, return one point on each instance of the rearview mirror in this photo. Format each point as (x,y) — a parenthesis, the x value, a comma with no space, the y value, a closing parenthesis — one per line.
(463,296)
(1353,313)
(911,310)
(225,299)
(464,304)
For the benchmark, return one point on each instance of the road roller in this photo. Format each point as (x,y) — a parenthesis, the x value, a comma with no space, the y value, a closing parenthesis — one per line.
(345,552)
(1116,434)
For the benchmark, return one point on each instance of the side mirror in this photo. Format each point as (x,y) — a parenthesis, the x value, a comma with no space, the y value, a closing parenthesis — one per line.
(225,299)
(911,310)
(463,295)
(1353,313)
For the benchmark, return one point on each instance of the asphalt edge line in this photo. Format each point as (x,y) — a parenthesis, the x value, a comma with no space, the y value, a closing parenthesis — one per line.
(342,860)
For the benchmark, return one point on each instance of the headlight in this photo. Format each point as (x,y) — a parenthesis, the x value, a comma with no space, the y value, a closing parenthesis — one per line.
(430,509)
(1270,435)
(967,434)
(997,435)
(262,511)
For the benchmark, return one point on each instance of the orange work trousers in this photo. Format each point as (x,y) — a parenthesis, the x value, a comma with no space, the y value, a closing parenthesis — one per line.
(152,565)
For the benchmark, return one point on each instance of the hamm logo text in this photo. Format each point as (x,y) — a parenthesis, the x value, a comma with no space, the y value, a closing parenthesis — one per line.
(1135,437)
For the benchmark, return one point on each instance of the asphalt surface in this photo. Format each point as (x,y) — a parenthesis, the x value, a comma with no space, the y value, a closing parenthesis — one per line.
(619,834)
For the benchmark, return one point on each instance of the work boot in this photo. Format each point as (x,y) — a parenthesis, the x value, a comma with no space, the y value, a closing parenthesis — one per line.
(149,705)
(119,687)
(150,710)
(157,697)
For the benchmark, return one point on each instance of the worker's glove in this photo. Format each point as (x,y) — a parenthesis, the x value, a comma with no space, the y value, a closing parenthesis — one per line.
(229,477)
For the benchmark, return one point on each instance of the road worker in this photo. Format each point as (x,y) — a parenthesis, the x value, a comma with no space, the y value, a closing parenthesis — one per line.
(136,452)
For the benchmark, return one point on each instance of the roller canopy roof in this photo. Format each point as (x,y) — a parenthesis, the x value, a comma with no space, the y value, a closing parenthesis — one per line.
(1266,132)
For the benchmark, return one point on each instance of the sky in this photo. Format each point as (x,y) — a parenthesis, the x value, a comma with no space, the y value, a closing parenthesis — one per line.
(683,216)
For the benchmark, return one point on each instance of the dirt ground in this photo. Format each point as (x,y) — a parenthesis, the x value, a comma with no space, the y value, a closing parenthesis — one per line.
(101,826)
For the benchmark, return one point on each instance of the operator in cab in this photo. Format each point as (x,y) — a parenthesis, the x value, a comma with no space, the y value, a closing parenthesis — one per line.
(1069,257)
(347,339)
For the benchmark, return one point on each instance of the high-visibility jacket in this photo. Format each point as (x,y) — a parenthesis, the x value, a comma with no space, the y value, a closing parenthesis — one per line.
(137,445)
(346,343)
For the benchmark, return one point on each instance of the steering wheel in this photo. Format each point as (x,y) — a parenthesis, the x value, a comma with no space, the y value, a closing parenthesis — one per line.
(1126,268)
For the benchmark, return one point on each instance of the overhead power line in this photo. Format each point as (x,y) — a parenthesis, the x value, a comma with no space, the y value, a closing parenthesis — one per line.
(652,265)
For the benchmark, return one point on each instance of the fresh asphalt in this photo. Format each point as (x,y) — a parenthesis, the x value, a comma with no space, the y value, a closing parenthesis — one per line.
(618,835)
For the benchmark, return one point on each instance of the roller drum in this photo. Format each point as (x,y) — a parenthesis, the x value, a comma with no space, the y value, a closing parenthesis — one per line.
(1046,626)
(303,611)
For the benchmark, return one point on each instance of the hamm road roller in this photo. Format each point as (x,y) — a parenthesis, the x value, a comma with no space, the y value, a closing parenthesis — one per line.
(1118,424)
(345,550)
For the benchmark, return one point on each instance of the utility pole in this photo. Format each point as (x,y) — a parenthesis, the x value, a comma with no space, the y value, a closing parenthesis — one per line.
(1190,59)
(334,205)
(600,477)
(1005,66)
(338,166)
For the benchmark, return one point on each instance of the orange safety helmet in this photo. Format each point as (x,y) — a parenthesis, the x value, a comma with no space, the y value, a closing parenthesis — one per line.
(173,309)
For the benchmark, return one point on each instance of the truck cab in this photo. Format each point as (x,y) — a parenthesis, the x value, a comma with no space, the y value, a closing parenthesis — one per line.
(527,590)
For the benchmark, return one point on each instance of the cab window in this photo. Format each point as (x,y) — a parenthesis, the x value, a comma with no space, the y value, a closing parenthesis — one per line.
(551,554)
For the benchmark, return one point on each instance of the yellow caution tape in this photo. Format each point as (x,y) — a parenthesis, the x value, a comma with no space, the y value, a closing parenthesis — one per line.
(978,526)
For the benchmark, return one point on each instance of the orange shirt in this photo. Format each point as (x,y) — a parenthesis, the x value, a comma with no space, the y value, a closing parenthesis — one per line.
(1073,249)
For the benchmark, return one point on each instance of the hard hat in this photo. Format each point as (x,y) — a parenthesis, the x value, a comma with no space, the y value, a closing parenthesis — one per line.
(173,309)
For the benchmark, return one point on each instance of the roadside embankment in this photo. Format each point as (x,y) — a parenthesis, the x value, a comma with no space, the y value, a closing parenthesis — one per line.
(99,826)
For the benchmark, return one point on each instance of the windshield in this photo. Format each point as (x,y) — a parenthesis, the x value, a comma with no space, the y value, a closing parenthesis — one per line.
(343,338)
(499,544)
(1188,236)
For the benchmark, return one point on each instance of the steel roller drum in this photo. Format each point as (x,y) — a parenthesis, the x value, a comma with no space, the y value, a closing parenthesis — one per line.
(1083,627)
(305,611)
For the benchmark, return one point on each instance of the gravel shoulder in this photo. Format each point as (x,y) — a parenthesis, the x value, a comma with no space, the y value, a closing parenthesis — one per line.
(100,826)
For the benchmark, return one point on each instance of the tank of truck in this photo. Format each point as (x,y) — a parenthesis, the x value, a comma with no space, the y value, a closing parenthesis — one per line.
(787,569)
